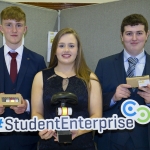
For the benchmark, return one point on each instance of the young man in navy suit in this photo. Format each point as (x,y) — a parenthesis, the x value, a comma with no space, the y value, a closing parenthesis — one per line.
(13,27)
(134,34)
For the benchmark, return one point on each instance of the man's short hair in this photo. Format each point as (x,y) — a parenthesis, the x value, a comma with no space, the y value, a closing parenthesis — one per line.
(13,13)
(133,20)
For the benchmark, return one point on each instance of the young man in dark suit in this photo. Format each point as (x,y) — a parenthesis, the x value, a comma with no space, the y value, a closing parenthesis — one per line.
(27,64)
(134,34)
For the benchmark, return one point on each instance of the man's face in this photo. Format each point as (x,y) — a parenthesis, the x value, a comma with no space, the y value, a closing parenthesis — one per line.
(134,39)
(13,32)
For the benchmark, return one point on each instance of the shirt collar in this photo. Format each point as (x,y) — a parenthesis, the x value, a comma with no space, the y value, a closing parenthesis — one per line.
(140,56)
(19,50)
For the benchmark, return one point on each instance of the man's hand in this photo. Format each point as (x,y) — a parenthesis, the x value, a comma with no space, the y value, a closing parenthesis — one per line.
(2,109)
(145,93)
(122,92)
(20,109)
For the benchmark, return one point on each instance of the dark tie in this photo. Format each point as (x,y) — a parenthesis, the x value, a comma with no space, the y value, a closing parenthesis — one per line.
(132,63)
(13,66)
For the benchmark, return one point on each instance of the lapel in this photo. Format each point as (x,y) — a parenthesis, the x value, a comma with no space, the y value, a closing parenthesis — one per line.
(146,70)
(23,68)
(119,68)
(2,64)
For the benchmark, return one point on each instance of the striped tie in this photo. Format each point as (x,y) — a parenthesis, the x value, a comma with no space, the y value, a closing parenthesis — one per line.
(132,64)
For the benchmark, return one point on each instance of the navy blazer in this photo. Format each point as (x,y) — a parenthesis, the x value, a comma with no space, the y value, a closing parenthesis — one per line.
(111,73)
(31,64)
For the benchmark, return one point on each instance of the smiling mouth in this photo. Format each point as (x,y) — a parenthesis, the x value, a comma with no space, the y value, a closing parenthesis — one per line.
(134,43)
(66,55)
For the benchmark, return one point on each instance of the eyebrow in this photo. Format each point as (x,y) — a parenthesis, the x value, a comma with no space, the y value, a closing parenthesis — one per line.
(135,31)
(12,23)
(64,43)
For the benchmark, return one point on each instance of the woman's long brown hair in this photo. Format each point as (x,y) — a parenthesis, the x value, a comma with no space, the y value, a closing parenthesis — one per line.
(81,69)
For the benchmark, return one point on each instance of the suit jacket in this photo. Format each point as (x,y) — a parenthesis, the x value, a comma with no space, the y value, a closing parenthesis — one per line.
(31,64)
(111,73)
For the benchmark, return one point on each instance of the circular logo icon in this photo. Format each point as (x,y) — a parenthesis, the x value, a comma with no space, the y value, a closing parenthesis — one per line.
(140,113)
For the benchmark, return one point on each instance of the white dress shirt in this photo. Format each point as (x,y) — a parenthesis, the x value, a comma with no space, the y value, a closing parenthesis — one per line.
(139,66)
(8,58)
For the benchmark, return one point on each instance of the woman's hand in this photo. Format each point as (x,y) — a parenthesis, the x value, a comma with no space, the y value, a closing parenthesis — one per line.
(75,133)
(46,134)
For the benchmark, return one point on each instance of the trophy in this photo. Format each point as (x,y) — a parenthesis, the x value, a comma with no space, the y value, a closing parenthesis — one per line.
(63,98)
(8,100)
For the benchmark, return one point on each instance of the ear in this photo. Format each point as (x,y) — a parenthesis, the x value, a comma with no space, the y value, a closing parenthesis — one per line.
(148,33)
(121,37)
(25,29)
(1,29)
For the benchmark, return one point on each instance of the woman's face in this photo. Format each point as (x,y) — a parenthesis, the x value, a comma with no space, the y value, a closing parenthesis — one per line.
(67,49)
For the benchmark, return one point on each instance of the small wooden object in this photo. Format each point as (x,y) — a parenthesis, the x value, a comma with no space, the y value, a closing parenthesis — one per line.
(134,81)
(8,100)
